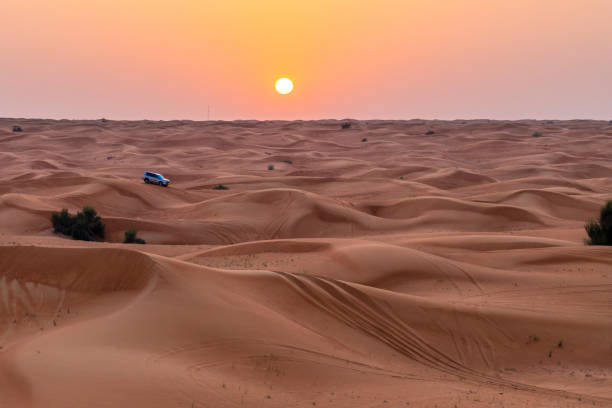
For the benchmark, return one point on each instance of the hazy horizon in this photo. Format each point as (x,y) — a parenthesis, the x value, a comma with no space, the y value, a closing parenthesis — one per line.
(432,60)
(322,119)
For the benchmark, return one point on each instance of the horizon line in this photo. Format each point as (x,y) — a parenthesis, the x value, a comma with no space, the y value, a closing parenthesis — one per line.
(105,119)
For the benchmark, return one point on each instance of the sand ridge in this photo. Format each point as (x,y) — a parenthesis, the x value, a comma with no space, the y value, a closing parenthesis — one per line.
(410,269)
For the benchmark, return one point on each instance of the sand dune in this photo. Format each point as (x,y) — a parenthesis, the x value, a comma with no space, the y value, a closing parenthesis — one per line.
(406,270)
(454,178)
(556,204)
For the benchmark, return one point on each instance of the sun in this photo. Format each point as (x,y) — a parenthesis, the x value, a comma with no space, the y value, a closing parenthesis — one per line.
(284,86)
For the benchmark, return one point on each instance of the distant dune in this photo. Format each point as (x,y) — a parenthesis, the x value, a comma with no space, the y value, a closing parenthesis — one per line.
(407,270)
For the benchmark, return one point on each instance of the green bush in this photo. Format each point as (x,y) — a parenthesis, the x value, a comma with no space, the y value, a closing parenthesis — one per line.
(536,134)
(220,187)
(62,222)
(131,238)
(600,232)
(86,225)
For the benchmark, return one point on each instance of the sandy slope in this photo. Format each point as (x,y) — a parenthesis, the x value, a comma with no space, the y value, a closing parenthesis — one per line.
(406,270)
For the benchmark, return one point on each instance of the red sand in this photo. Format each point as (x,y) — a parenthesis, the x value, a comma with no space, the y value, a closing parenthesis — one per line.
(408,270)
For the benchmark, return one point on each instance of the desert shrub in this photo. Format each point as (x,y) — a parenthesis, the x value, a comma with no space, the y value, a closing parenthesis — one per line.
(346,125)
(270,167)
(131,238)
(600,231)
(365,139)
(595,233)
(86,225)
(287,161)
(220,187)
(536,134)
(430,132)
(62,222)
(17,129)
(533,339)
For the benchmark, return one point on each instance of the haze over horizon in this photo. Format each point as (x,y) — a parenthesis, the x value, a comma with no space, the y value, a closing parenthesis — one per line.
(434,59)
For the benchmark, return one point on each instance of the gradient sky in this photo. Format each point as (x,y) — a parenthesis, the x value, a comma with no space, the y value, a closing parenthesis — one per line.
(390,59)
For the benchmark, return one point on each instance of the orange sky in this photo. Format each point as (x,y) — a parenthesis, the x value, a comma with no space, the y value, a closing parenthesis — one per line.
(399,59)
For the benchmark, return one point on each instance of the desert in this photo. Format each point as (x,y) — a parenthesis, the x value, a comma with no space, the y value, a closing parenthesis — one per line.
(416,263)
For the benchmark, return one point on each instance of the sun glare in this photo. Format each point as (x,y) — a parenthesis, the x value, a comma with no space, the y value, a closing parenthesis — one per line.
(284,86)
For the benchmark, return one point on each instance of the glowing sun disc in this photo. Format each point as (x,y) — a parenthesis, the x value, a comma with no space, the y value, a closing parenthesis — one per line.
(284,86)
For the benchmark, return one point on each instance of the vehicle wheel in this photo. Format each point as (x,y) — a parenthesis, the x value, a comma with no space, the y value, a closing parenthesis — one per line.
(146,181)
(165,185)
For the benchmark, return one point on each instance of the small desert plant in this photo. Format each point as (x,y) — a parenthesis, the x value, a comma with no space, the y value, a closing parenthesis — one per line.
(365,139)
(88,225)
(533,339)
(346,125)
(131,238)
(595,233)
(62,222)
(536,134)
(270,167)
(220,187)
(84,226)
(430,132)
(287,161)
(600,232)
(17,129)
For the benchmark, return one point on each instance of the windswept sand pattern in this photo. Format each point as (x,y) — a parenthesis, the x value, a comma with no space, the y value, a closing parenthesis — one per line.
(407,269)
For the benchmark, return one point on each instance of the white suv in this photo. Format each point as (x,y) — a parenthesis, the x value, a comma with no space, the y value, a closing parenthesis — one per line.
(155,178)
